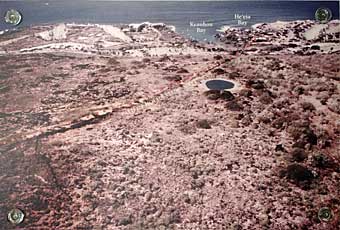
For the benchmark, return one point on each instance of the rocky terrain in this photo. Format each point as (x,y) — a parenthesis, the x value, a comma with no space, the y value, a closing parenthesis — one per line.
(297,37)
(112,128)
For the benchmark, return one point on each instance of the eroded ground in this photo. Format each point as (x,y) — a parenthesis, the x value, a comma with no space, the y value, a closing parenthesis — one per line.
(122,136)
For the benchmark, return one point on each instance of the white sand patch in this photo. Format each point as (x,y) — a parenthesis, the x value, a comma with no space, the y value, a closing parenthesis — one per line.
(79,25)
(46,35)
(328,47)
(334,27)
(57,33)
(224,29)
(115,32)
(314,32)
(107,44)
(4,31)
(140,26)
(4,43)
(172,28)
(255,26)
(135,26)
(160,51)
(82,38)
(65,45)
(278,25)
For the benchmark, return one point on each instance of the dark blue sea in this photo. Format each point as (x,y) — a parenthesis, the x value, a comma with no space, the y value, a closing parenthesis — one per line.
(184,15)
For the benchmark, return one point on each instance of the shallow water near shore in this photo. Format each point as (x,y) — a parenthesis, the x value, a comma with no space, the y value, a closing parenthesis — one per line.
(183,15)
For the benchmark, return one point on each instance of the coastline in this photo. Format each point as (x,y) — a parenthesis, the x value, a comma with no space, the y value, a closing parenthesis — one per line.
(299,37)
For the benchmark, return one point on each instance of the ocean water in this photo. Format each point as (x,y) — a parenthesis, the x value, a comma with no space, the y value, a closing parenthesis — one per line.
(196,20)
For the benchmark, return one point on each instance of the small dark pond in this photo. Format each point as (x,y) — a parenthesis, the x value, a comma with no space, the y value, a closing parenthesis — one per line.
(219,84)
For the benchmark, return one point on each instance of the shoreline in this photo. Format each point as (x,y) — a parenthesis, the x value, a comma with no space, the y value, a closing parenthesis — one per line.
(301,37)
